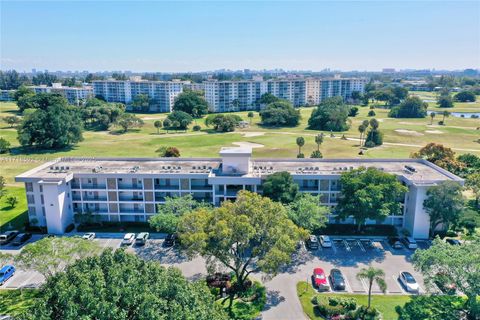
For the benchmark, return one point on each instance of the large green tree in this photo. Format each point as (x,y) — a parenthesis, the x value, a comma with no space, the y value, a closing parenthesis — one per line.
(459,264)
(141,102)
(280,113)
(50,255)
(330,115)
(368,193)
(280,186)
(440,155)
(444,204)
(412,107)
(465,96)
(179,119)
(473,183)
(118,285)
(223,122)
(128,120)
(40,101)
(306,212)
(252,234)
(191,102)
(432,307)
(169,213)
(54,127)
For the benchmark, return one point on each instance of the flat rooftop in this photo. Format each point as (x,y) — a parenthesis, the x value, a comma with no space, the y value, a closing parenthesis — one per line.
(417,171)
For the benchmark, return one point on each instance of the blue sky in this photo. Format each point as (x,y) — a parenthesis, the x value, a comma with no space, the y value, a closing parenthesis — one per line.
(198,35)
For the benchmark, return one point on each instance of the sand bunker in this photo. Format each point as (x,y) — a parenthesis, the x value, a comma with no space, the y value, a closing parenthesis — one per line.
(253,134)
(408,132)
(248,144)
(434,131)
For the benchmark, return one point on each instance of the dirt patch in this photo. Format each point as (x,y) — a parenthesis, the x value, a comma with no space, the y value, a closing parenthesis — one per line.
(253,134)
(408,132)
(434,131)
(248,144)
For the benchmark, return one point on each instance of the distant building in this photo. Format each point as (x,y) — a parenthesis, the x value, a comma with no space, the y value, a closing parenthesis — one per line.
(388,70)
(6,95)
(163,93)
(129,189)
(73,95)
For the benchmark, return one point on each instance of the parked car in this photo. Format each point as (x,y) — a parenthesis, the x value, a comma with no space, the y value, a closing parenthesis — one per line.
(454,242)
(312,242)
(89,236)
(8,236)
(128,239)
(410,243)
(21,238)
(408,281)
(395,243)
(171,239)
(6,273)
(337,280)
(325,241)
(320,280)
(142,238)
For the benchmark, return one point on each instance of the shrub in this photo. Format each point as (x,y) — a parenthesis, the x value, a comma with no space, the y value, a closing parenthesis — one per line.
(371,113)
(300,156)
(316,154)
(465,96)
(4,145)
(280,113)
(366,314)
(440,123)
(370,144)
(347,303)
(196,127)
(316,300)
(353,112)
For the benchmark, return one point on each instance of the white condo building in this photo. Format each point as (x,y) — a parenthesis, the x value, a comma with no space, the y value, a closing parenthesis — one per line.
(74,95)
(129,189)
(162,92)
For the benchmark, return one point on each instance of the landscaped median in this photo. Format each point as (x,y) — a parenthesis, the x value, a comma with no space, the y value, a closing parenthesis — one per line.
(385,304)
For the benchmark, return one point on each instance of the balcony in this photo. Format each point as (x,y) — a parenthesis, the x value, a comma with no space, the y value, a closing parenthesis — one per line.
(130,198)
(308,188)
(167,187)
(93,198)
(130,186)
(75,186)
(93,186)
(201,187)
(131,210)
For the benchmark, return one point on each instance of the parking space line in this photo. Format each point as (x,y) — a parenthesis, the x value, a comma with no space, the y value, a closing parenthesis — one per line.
(361,246)
(347,247)
(364,285)
(333,247)
(347,285)
(395,279)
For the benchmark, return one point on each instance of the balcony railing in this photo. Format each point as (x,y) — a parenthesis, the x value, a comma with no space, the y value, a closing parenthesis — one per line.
(131,210)
(130,187)
(130,198)
(92,198)
(93,186)
(165,187)
(201,187)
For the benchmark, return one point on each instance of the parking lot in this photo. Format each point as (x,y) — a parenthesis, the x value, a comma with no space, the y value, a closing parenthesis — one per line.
(347,254)
(351,254)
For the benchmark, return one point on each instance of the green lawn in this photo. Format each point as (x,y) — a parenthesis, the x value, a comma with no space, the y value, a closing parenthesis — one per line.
(384,303)
(13,218)
(14,302)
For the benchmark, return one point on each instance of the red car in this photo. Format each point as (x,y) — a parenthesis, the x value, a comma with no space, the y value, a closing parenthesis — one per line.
(320,281)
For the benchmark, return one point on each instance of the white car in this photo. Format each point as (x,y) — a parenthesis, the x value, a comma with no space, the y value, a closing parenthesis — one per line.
(325,241)
(89,236)
(409,282)
(128,239)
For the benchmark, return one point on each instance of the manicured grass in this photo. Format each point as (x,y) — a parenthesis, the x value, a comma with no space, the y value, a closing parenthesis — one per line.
(384,303)
(14,302)
(13,218)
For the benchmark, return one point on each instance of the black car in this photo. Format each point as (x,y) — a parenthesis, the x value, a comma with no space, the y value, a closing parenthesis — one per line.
(337,279)
(7,237)
(170,240)
(453,242)
(312,242)
(21,238)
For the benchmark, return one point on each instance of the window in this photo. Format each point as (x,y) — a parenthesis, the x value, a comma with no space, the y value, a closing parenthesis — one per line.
(29,186)
(31,198)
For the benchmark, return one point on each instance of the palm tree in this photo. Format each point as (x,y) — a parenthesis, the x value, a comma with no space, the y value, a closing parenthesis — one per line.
(432,115)
(319,140)
(362,130)
(300,144)
(372,274)
(445,114)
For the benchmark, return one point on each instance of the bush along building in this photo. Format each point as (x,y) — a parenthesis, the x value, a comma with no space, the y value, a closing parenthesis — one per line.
(129,189)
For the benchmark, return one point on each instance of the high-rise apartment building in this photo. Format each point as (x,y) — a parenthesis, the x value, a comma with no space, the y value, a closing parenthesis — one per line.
(162,93)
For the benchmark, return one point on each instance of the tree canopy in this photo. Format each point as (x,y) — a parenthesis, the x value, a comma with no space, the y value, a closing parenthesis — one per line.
(128,120)
(280,186)
(191,102)
(432,307)
(223,122)
(249,235)
(465,96)
(330,115)
(40,101)
(64,127)
(368,193)
(179,120)
(280,113)
(412,107)
(50,255)
(119,285)
(444,204)
(306,212)
(440,155)
(460,265)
